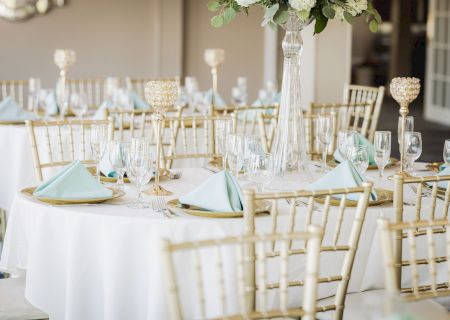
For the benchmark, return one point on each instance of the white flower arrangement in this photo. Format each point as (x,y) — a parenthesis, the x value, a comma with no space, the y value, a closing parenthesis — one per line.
(307,10)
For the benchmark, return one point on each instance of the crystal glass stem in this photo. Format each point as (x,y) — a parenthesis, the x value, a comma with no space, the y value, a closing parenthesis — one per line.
(324,157)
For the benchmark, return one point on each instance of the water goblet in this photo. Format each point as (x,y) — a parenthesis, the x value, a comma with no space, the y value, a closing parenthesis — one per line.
(140,168)
(359,157)
(118,157)
(413,147)
(325,135)
(98,141)
(446,152)
(261,170)
(223,128)
(346,139)
(235,153)
(382,144)
(78,104)
(409,127)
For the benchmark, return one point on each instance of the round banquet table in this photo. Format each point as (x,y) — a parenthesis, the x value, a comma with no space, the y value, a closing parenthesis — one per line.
(102,262)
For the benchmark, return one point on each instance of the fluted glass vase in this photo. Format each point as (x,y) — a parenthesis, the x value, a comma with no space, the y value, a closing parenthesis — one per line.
(289,147)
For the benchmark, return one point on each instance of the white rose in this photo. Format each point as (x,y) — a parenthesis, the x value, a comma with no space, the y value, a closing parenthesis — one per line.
(301,5)
(357,6)
(246,3)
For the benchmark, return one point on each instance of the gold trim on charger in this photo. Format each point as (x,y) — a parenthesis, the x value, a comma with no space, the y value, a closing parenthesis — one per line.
(392,163)
(384,196)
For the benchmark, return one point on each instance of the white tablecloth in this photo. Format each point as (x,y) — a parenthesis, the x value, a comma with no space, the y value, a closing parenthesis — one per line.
(101,262)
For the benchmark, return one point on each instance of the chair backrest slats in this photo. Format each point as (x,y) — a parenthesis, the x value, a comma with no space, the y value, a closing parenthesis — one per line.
(21,91)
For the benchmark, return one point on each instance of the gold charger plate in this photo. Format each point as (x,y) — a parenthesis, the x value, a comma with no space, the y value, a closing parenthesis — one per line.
(383,195)
(434,166)
(103,178)
(261,207)
(29,193)
(15,122)
(392,163)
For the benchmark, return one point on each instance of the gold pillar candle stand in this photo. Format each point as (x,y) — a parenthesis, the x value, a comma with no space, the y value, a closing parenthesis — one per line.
(214,58)
(160,95)
(404,90)
(64,59)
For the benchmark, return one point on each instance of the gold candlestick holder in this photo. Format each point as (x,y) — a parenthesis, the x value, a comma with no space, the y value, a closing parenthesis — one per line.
(160,95)
(64,60)
(404,91)
(214,58)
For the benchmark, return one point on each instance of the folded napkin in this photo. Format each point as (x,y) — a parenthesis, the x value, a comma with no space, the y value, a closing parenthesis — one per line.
(138,102)
(221,192)
(218,101)
(73,182)
(443,166)
(360,141)
(11,111)
(51,106)
(344,175)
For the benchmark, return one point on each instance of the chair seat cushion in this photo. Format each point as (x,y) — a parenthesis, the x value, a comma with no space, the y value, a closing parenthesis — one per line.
(362,305)
(13,305)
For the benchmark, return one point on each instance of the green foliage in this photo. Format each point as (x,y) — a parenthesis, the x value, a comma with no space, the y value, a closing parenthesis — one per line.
(276,13)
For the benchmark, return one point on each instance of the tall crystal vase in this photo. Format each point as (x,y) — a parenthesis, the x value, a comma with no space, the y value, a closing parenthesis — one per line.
(289,147)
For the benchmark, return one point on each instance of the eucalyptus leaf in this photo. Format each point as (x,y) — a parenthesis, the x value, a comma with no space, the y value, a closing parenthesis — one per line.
(213,5)
(228,15)
(217,21)
(270,12)
(321,23)
(281,17)
(373,26)
(348,17)
(377,17)
(329,12)
(273,26)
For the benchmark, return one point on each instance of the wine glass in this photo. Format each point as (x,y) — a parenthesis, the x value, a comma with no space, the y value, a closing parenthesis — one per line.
(118,157)
(446,153)
(382,144)
(413,147)
(140,167)
(261,170)
(324,135)
(183,97)
(252,145)
(78,104)
(98,141)
(223,128)
(409,127)
(359,157)
(235,152)
(346,139)
(123,100)
(40,102)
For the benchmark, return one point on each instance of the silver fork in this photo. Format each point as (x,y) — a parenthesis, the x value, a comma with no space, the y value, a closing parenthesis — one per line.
(160,205)
(299,202)
(426,193)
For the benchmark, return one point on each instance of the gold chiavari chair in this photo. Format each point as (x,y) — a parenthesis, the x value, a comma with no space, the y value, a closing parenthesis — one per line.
(241,275)
(267,127)
(351,116)
(53,143)
(245,119)
(335,243)
(199,131)
(365,94)
(433,238)
(94,89)
(20,91)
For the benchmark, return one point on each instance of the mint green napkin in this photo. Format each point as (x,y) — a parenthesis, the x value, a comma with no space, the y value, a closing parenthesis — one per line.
(445,172)
(11,111)
(344,175)
(138,102)
(73,182)
(361,141)
(221,192)
(51,106)
(218,101)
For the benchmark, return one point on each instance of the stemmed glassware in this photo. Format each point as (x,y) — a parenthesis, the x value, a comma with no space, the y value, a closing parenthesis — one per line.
(413,147)
(223,129)
(252,145)
(346,139)
(98,140)
(409,127)
(140,167)
(78,104)
(382,144)
(235,153)
(260,170)
(118,157)
(40,102)
(359,157)
(446,153)
(324,135)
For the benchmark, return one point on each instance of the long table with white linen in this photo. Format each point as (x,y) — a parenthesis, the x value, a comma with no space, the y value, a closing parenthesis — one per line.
(102,262)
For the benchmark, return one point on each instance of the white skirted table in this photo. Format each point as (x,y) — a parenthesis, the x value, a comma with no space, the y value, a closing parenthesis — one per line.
(102,262)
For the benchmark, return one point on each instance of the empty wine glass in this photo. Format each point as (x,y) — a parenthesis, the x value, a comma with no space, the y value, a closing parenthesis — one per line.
(40,102)
(140,167)
(78,104)
(98,140)
(409,127)
(359,157)
(413,147)
(346,139)
(235,153)
(382,144)
(446,152)
(260,170)
(223,128)
(118,157)
(183,97)
(252,145)
(325,135)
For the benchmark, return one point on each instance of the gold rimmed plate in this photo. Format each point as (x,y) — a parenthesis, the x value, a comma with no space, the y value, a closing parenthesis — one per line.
(29,193)
(261,207)
(383,196)
(435,166)
(14,122)
(392,163)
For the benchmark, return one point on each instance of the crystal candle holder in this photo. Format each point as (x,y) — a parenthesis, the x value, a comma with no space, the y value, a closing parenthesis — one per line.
(214,58)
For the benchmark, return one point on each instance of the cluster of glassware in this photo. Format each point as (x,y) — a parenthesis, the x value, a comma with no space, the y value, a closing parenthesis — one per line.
(190,95)
(413,143)
(46,104)
(239,93)
(268,95)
